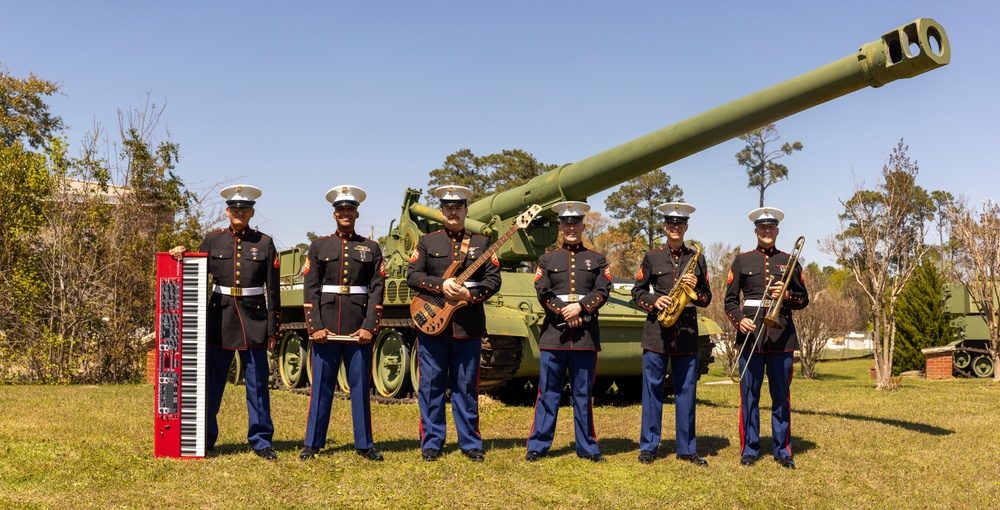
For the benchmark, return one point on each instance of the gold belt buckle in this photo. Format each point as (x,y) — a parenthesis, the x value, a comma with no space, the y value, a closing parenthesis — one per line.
(345,289)
(236,291)
(573,298)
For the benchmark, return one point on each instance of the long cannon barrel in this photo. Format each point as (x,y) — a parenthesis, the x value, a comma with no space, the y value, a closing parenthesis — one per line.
(905,52)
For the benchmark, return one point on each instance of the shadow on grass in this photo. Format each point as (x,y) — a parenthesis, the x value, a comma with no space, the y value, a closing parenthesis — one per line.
(829,377)
(707,445)
(912,426)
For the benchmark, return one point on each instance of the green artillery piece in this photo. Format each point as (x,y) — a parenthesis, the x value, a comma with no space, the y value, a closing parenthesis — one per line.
(514,316)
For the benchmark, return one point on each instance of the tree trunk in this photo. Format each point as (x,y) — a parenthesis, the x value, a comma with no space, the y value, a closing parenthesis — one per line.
(883,352)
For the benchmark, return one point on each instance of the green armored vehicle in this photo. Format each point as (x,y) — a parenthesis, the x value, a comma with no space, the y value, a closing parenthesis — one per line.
(972,356)
(514,316)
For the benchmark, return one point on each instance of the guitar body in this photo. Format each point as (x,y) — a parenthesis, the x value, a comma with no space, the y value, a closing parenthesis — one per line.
(432,313)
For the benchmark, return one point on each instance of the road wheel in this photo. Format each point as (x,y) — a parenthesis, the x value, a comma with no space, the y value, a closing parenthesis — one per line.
(983,366)
(962,359)
(235,371)
(629,388)
(309,367)
(292,356)
(414,367)
(342,377)
(391,364)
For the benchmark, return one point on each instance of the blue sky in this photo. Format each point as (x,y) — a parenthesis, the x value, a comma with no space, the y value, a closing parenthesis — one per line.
(296,97)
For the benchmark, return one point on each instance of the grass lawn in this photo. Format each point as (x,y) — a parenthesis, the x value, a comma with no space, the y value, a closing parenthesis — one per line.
(930,444)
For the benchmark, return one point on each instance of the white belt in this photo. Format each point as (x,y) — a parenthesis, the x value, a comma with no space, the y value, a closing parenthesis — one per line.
(752,302)
(345,289)
(570,298)
(470,284)
(238,291)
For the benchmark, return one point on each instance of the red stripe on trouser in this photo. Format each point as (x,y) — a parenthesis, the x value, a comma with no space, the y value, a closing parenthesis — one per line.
(534,415)
(590,403)
(312,394)
(420,416)
(788,435)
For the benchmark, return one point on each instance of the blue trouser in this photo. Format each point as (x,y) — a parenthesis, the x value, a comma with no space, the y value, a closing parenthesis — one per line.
(256,373)
(684,375)
(779,381)
(325,367)
(582,367)
(449,362)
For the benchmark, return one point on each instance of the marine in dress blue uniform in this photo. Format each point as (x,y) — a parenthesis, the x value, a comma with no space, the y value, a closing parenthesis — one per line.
(659,272)
(572,283)
(242,315)
(753,275)
(451,359)
(344,277)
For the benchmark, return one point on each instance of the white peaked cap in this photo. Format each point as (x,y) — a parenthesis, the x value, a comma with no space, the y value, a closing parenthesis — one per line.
(676,212)
(241,195)
(346,193)
(766,216)
(571,212)
(453,193)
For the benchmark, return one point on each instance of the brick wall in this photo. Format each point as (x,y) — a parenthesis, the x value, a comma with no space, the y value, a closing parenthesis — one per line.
(938,362)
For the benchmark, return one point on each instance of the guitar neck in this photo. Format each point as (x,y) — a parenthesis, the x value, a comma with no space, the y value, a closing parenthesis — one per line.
(460,279)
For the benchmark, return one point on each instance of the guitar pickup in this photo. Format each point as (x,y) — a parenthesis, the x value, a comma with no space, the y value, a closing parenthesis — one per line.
(420,319)
(429,310)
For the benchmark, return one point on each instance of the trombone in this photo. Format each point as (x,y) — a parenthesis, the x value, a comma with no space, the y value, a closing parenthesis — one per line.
(773,306)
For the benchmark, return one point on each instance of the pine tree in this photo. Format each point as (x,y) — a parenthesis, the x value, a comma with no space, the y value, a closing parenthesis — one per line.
(920,318)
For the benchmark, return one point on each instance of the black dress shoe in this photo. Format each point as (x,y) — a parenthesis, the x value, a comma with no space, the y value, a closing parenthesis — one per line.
(694,459)
(532,456)
(430,454)
(597,457)
(748,460)
(371,454)
(475,454)
(786,462)
(646,457)
(307,453)
(266,453)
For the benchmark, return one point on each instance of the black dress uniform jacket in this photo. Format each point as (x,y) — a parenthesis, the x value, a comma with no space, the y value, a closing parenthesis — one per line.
(428,263)
(343,260)
(659,271)
(243,260)
(749,275)
(572,271)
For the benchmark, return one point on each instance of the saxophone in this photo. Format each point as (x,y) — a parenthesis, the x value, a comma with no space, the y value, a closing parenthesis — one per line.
(680,295)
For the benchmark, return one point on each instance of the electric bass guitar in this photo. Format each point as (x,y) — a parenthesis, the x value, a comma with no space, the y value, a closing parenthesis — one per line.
(432,313)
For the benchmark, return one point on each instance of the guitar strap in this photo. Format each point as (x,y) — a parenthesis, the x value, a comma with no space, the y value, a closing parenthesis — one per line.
(465,246)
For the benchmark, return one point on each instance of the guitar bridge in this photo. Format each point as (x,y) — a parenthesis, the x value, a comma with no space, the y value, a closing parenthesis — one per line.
(420,319)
